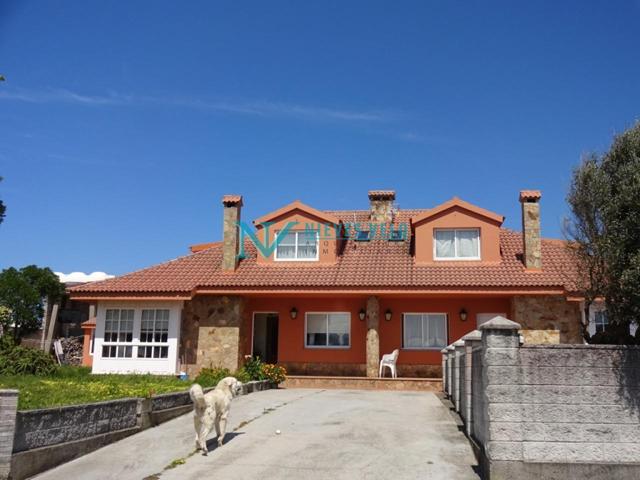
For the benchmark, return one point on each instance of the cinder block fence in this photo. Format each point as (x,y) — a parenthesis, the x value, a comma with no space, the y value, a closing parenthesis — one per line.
(546,411)
(32,441)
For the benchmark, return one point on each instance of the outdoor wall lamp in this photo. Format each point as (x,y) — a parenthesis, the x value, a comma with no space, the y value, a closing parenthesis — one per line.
(293,312)
(362,314)
(463,314)
(388,314)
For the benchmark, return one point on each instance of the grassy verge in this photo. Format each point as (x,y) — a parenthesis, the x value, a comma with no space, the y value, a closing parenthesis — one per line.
(74,385)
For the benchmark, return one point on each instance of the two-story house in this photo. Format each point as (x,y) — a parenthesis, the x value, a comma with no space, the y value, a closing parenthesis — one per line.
(328,292)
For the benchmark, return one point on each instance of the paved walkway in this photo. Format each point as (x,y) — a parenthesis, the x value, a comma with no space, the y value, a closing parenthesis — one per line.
(325,434)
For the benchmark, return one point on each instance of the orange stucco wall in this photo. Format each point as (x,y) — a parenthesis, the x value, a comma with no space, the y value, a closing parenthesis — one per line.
(328,244)
(391,331)
(291,332)
(87,358)
(458,217)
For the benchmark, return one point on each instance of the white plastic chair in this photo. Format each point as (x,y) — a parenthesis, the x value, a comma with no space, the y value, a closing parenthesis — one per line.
(389,360)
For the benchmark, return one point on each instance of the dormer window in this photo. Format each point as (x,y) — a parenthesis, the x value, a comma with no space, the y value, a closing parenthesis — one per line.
(456,244)
(298,245)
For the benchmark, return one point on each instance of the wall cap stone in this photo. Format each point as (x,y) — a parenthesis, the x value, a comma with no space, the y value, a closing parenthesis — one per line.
(473,335)
(450,348)
(444,350)
(9,392)
(577,346)
(499,323)
(458,343)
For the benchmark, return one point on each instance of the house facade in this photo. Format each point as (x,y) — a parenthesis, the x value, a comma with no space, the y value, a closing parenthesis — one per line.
(329,292)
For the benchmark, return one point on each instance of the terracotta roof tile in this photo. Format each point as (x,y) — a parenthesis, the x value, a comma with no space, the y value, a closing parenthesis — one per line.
(530,195)
(374,264)
(382,194)
(232,199)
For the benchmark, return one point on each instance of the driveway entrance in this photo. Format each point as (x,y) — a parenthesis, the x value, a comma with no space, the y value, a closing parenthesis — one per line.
(324,434)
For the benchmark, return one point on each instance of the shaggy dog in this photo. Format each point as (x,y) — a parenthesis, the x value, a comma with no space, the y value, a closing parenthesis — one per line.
(211,409)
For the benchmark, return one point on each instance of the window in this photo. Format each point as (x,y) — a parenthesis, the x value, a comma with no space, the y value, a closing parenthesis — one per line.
(396,236)
(600,320)
(362,236)
(329,330)
(154,328)
(424,330)
(118,330)
(93,341)
(457,244)
(300,245)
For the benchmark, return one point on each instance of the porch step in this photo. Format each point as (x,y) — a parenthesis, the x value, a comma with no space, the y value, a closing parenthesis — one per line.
(363,383)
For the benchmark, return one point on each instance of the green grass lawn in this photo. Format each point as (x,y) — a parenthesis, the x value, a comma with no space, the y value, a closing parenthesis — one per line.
(73,385)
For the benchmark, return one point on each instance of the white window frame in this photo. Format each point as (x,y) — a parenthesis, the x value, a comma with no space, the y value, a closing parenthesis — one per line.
(92,341)
(446,330)
(331,347)
(456,258)
(296,259)
(120,343)
(153,343)
(135,364)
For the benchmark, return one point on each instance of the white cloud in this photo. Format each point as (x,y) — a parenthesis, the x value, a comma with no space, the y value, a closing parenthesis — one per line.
(81,277)
(256,108)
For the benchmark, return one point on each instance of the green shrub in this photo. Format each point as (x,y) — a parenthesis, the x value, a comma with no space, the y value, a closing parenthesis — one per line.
(242,375)
(253,368)
(209,377)
(17,360)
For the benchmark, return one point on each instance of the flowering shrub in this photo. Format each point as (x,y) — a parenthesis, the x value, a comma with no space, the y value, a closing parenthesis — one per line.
(274,373)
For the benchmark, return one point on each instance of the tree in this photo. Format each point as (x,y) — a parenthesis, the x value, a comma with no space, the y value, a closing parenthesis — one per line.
(585,230)
(23,292)
(3,208)
(604,230)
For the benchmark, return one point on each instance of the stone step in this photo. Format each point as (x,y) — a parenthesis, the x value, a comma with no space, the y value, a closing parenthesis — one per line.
(363,383)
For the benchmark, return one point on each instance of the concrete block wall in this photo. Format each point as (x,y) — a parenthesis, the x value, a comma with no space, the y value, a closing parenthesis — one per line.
(33,441)
(8,410)
(556,411)
(50,426)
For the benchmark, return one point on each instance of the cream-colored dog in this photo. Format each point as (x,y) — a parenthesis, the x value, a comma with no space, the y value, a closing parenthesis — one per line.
(211,409)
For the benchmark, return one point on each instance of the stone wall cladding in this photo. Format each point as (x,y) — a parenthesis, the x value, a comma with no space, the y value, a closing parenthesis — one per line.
(373,336)
(212,333)
(551,312)
(39,428)
(532,246)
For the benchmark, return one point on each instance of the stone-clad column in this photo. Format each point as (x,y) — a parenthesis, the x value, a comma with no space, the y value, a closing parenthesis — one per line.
(8,410)
(373,336)
(471,340)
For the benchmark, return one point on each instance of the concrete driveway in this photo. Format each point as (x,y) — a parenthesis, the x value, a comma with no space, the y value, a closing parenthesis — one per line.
(325,434)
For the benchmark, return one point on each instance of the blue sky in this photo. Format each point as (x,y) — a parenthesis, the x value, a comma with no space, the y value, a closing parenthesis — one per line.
(124,123)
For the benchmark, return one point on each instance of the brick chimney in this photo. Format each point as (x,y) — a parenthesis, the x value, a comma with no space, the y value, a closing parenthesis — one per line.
(532,246)
(230,236)
(381,205)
